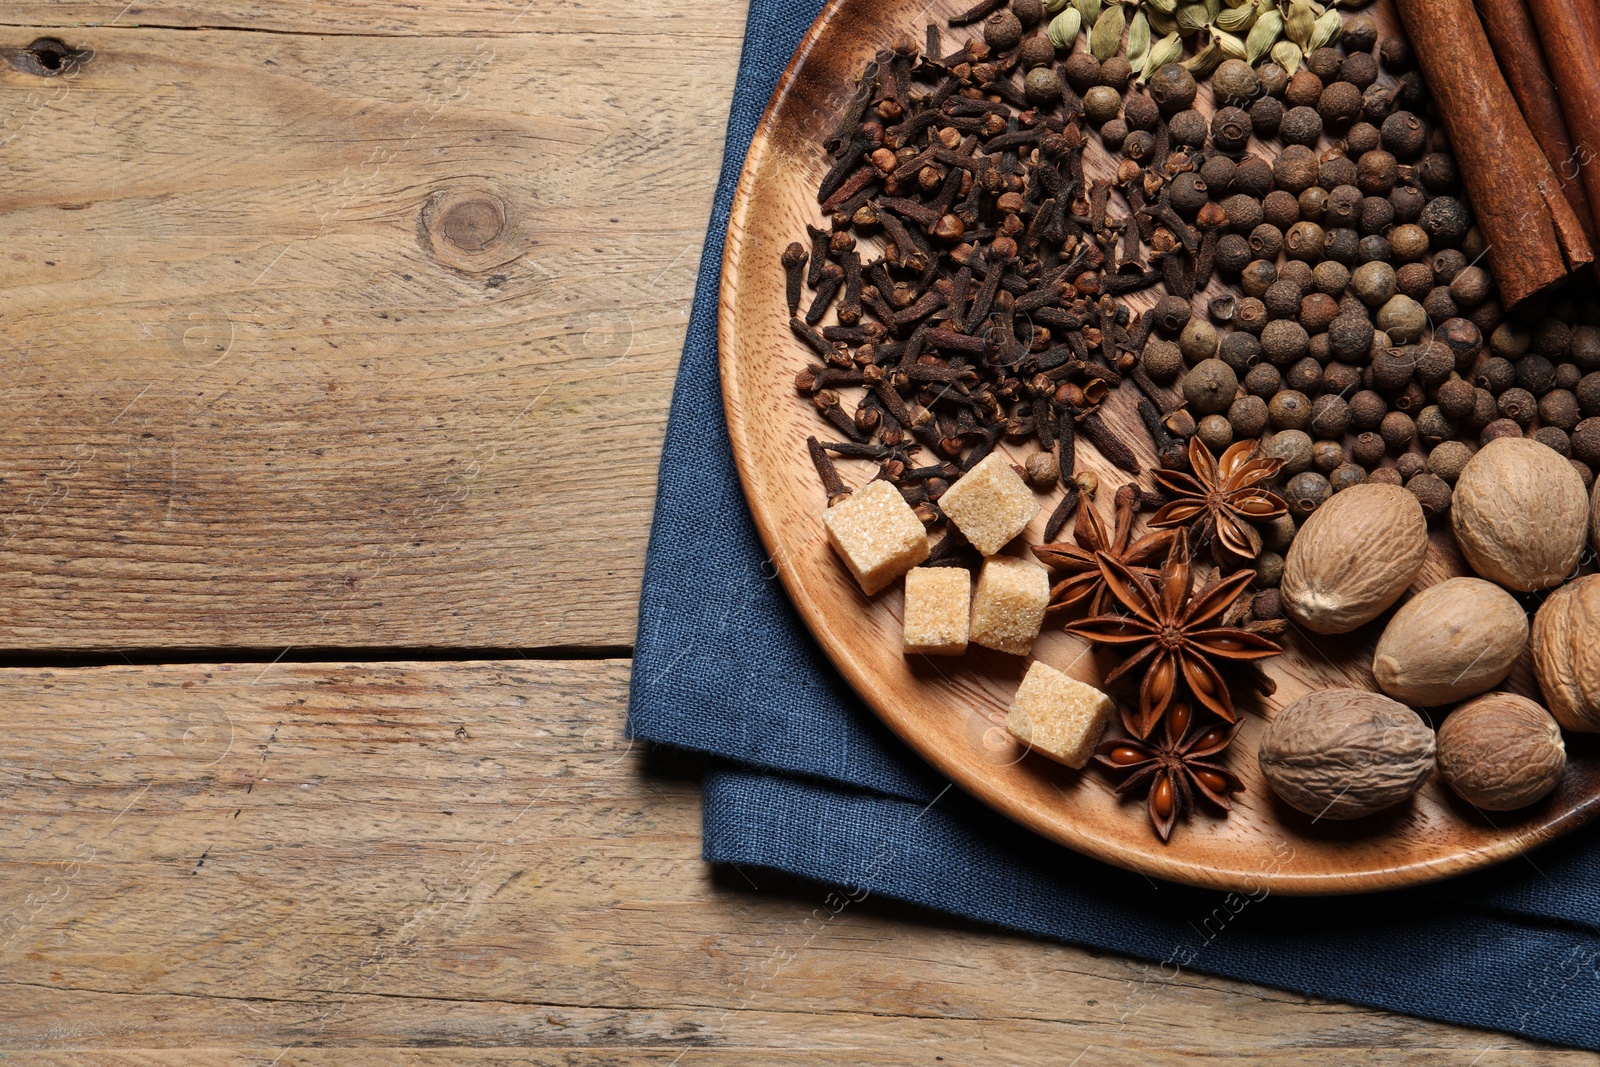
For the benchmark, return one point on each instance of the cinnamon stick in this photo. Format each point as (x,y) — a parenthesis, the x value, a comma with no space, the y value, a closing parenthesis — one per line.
(1534,240)
(1516,45)
(1570,33)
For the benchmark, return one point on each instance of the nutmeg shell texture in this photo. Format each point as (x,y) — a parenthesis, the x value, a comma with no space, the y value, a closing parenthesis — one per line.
(1449,642)
(1566,654)
(1353,558)
(1520,514)
(1345,753)
(1501,752)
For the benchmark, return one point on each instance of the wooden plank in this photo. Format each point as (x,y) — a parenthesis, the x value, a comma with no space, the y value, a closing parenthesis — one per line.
(347,340)
(466,863)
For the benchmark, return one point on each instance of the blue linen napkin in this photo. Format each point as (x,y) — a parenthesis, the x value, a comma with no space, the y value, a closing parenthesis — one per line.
(808,781)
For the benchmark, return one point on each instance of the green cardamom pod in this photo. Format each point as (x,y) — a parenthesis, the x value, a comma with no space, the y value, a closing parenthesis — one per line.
(1232,47)
(1287,55)
(1212,7)
(1267,32)
(1239,3)
(1089,9)
(1165,7)
(1063,29)
(1203,62)
(1165,51)
(1326,30)
(1236,19)
(1106,37)
(1138,40)
(1055,7)
(1192,18)
(1299,23)
(1162,22)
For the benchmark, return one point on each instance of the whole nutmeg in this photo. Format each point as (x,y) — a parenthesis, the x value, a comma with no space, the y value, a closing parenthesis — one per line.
(1501,752)
(1520,514)
(1566,653)
(1345,753)
(1353,557)
(1449,642)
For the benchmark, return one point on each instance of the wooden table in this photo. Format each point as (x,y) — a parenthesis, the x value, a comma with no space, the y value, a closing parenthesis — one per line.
(337,341)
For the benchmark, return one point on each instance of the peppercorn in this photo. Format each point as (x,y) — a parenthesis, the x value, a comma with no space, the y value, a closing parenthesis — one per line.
(1190,128)
(1296,167)
(1241,351)
(1305,492)
(1248,417)
(1218,171)
(1339,105)
(1484,411)
(1351,337)
(1407,203)
(1567,377)
(1116,72)
(1263,380)
(1342,245)
(1434,426)
(1291,446)
(1329,279)
(1553,437)
(1042,86)
(1251,315)
(1439,304)
(1377,172)
(1396,54)
(1367,410)
(1266,241)
(1283,341)
(1082,71)
(1312,203)
(1391,368)
(1445,219)
(1404,134)
(1535,374)
(1215,433)
(1254,177)
(1002,31)
(1173,88)
(1330,417)
(1414,280)
(1324,63)
(1266,116)
(1101,104)
(1374,249)
(1402,318)
(1233,253)
(1398,430)
(1187,193)
(1432,493)
(1327,456)
(1346,475)
(1496,375)
(1198,341)
(1274,79)
(1243,212)
(1409,464)
(1305,242)
(1138,110)
(1518,405)
(1367,449)
(1210,386)
(1584,347)
(1586,441)
(1497,429)
(1455,398)
(1161,360)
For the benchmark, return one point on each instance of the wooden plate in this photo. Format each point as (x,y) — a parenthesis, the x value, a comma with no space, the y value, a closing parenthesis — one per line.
(951,710)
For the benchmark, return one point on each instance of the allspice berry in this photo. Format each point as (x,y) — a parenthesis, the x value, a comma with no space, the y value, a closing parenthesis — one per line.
(1262,379)
(1116,72)
(1303,90)
(1324,62)
(1290,410)
(1002,31)
(1173,88)
(1037,52)
(1330,417)
(1042,86)
(1304,241)
(1215,432)
(1339,105)
(1082,71)
(1139,110)
(1432,493)
(1274,79)
(1327,456)
(1210,385)
(1305,492)
(1291,446)
(1101,104)
(1360,34)
(1402,318)
(1447,459)
(1253,177)
(1295,169)
(1043,471)
(1346,475)
(1397,430)
(1301,125)
(1162,360)
(1234,82)
(1367,450)
(1373,283)
(1266,116)
(1198,340)
(1189,128)
(1283,341)
(1404,134)
(1248,417)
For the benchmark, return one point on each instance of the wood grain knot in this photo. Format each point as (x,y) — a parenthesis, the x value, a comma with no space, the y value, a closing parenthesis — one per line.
(48,57)
(472,230)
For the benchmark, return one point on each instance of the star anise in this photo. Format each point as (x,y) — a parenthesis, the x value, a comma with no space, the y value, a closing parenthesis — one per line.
(1082,561)
(1174,769)
(1222,497)
(1174,627)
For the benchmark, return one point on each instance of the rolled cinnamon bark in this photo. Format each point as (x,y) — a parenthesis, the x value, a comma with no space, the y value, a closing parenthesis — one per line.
(1534,240)
(1570,33)
(1516,45)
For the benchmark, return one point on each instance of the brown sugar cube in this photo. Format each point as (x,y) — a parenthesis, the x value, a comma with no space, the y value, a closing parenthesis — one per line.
(1008,604)
(989,504)
(938,603)
(1058,716)
(877,535)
